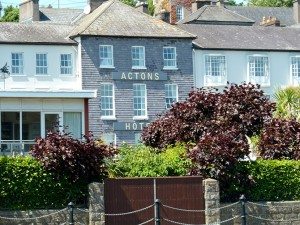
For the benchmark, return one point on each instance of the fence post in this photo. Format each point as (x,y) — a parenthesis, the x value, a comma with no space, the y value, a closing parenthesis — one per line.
(243,205)
(71,208)
(157,212)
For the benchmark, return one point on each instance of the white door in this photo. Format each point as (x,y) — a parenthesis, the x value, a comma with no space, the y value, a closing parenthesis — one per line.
(50,121)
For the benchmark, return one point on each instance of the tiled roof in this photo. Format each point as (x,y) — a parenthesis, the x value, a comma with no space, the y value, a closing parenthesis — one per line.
(284,14)
(245,37)
(114,18)
(33,33)
(60,15)
(215,14)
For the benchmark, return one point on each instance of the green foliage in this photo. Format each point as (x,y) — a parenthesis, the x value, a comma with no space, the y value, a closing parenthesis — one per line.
(11,14)
(275,180)
(129,2)
(24,184)
(140,161)
(233,3)
(287,102)
(150,7)
(271,3)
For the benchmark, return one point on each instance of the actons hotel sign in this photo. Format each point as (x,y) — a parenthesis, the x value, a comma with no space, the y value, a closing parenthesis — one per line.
(144,76)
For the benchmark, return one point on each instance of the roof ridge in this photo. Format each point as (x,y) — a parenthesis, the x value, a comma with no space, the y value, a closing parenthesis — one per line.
(230,11)
(94,17)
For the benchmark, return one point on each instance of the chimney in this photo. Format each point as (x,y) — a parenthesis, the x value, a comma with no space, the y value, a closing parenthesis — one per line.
(197,4)
(29,9)
(271,21)
(142,7)
(94,4)
(296,11)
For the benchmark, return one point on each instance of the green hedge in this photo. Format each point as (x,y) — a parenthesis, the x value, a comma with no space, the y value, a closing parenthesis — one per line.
(272,180)
(24,184)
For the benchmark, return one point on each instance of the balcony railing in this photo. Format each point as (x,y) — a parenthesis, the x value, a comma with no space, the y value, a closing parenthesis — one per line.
(15,147)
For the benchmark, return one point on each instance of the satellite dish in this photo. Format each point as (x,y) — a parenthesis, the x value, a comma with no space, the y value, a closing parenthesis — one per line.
(87,9)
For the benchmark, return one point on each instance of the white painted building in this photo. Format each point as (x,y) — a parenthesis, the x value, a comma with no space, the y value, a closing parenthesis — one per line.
(42,86)
(269,56)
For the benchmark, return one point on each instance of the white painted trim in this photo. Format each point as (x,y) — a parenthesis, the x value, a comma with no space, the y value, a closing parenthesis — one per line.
(49,94)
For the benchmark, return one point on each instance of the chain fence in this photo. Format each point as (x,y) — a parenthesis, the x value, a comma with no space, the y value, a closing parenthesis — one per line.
(242,212)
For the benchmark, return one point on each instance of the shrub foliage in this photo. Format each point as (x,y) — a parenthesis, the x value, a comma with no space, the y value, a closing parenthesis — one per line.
(81,161)
(280,139)
(24,184)
(140,161)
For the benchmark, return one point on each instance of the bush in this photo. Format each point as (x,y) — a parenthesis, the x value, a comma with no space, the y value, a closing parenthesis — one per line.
(280,139)
(274,180)
(24,184)
(64,156)
(141,161)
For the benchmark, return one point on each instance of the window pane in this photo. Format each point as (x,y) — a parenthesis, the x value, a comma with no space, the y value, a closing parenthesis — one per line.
(138,56)
(258,66)
(179,13)
(139,99)
(296,67)
(17,63)
(106,55)
(215,65)
(41,64)
(109,138)
(171,94)
(73,123)
(31,125)
(10,126)
(107,100)
(169,57)
(66,64)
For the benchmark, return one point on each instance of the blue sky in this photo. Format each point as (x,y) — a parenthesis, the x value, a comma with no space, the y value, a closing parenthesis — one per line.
(62,3)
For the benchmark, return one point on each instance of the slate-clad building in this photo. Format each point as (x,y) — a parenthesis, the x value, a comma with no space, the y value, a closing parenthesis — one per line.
(138,64)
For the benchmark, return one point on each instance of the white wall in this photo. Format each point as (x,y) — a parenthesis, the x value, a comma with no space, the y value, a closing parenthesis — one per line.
(29,80)
(237,61)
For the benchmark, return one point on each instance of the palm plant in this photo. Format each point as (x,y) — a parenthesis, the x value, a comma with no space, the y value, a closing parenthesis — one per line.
(287,102)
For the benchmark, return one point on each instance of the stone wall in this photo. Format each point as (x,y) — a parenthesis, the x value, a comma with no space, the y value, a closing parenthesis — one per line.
(43,217)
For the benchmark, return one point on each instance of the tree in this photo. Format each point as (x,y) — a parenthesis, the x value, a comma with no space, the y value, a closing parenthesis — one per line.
(11,14)
(207,110)
(216,123)
(233,3)
(271,3)
(280,139)
(129,2)
(287,102)
(150,7)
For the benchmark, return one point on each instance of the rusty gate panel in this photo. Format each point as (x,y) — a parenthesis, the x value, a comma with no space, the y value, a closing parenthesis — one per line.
(181,200)
(127,195)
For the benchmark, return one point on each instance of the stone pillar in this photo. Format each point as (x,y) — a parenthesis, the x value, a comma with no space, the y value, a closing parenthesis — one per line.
(212,201)
(96,204)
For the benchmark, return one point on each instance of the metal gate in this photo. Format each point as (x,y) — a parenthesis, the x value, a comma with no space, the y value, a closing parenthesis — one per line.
(131,201)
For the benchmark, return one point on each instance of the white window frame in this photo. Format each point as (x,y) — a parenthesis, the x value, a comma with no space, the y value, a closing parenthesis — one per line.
(142,103)
(17,64)
(210,77)
(68,67)
(169,103)
(253,77)
(167,60)
(295,70)
(108,58)
(113,116)
(179,13)
(44,64)
(140,59)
